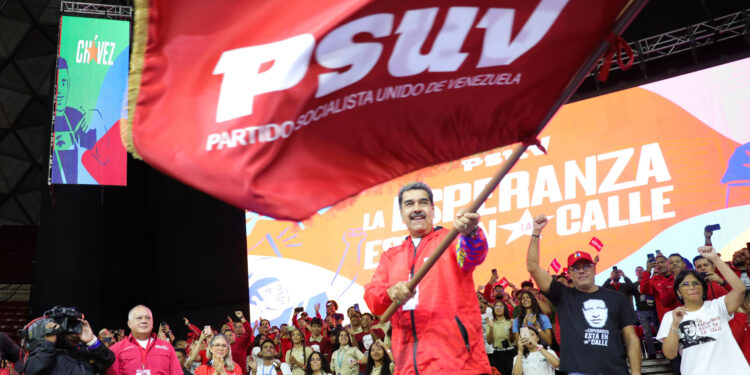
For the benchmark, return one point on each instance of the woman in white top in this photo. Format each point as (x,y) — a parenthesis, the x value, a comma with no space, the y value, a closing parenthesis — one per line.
(700,329)
(346,360)
(297,355)
(534,358)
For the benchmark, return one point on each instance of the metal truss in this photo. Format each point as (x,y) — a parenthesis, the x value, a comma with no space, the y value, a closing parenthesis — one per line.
(687,38)
(101,10)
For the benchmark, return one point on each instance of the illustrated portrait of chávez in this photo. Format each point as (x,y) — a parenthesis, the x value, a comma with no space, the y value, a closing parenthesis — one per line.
(690,335)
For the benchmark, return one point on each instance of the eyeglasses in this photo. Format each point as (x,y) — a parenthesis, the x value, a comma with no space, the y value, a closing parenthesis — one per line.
(688,284)
(586,267)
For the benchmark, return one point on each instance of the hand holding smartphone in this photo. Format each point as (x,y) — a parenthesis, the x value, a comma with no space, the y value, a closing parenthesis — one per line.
(525,332)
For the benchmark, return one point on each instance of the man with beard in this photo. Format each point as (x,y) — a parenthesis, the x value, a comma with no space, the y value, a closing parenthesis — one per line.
(741,265)
(440,317)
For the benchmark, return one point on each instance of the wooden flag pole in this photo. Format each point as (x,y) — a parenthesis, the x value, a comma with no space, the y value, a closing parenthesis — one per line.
(443,245)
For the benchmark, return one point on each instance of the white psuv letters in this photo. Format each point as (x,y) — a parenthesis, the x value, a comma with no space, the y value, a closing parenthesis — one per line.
(242,79)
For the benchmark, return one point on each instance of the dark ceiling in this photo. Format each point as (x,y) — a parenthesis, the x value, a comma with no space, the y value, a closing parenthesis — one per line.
(28,42)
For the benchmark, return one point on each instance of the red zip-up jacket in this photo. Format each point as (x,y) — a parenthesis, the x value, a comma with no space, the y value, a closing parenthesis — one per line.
(443,334)
(160,357)
(662,288)
(239,348)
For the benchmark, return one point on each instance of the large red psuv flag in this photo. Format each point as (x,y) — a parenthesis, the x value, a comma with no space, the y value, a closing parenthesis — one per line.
(286,107)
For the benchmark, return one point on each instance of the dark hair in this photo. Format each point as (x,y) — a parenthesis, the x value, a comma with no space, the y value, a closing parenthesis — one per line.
(506,314)
(699,257)
(414,186)
(370,315)
(323,364)
(540,341)
(681,277)
(527,283)
(534,307)
(267,341)
(180,350)
(335,333)
(315,321)
(385,367)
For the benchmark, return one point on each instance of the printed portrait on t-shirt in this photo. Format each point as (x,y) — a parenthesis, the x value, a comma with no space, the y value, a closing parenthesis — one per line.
(595,311)
(690,336)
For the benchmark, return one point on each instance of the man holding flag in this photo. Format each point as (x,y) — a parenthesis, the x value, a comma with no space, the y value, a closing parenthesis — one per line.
(437,328)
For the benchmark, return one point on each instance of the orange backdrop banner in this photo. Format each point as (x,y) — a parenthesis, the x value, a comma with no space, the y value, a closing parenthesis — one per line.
(635,169)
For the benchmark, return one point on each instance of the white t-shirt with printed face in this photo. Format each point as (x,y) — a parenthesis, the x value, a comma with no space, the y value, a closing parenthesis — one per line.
(706,342)
(536,364)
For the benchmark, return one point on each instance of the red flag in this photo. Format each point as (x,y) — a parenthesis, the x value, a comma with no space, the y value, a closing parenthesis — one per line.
(598,245)
(503,282)
(555,265)
(286,107)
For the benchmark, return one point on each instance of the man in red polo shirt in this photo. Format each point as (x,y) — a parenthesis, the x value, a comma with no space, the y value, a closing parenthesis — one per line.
(142,353)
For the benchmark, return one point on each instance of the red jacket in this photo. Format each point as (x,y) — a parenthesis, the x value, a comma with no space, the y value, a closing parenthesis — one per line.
(662,288)
(443,334)
(239,348)
(160,357)
(740,328)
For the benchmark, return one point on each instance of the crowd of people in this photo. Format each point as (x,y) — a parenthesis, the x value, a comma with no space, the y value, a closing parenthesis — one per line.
(694,313)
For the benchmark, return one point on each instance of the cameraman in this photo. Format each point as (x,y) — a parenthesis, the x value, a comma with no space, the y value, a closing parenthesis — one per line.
(63,352)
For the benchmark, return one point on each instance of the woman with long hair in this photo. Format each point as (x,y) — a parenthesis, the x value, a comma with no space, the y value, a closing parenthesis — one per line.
(219,356)
(700,328)
(317,365)
(346,359)
(531,316)
(534,356)
(379,360)
(500,337)
(297,355)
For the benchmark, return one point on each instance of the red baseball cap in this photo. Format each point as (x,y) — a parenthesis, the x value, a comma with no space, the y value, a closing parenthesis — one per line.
(578,256)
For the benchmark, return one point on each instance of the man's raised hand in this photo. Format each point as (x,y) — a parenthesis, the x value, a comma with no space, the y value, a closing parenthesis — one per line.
(539,223)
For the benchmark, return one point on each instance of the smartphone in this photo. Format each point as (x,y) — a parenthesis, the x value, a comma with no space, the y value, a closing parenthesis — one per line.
(207,329)
(748,245)
(650,257)
(658,252)
(525,332)
(356,307)
(494,271)
(712,228)
(614,268)
(298,310)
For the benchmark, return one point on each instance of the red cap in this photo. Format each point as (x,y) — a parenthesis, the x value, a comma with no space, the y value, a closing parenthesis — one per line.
(578,256)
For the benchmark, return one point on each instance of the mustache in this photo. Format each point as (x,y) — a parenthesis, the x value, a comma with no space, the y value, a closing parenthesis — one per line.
(417,215)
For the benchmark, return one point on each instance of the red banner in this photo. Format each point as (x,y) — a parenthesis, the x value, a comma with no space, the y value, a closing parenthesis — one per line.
(503,283)
(287,107)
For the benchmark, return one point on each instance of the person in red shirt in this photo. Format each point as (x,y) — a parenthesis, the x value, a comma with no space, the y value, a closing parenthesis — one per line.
(367,336)
(436,328)
(142,350)
(240,342)
(219,359)
(661,282)
(717,286)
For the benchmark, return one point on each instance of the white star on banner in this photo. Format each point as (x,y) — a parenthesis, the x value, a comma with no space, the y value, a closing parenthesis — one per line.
(522,227)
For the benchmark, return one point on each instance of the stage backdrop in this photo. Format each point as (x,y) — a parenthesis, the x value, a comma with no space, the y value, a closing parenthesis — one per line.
(92,76)
(641,169)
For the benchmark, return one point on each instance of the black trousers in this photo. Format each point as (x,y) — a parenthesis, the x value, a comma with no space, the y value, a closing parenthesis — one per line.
(502,360)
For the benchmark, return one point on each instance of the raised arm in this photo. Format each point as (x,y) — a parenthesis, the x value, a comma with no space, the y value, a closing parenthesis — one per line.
(735,297)
(542,278)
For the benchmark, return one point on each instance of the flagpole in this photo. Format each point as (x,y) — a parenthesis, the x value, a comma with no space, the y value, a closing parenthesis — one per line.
(448,239)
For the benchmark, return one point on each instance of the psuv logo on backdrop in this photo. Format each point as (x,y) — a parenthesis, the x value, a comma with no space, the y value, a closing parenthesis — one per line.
(246,73)
(95,51)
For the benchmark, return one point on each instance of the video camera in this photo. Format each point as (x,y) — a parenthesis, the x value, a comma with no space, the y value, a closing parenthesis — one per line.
(68,320)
